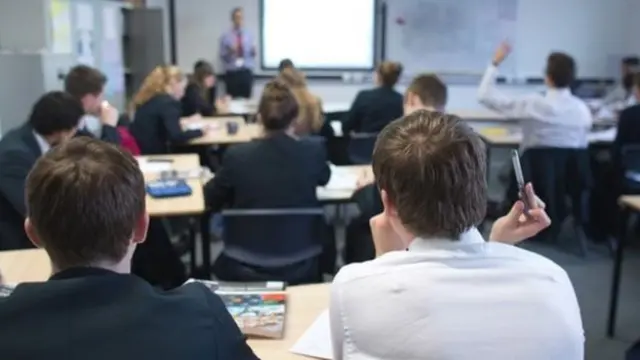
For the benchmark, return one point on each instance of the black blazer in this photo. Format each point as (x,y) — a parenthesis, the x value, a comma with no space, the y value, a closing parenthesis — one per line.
(628,134)
(90,313)
(193,102)
(277,171)
(157,124)
(19,151)
(372,110)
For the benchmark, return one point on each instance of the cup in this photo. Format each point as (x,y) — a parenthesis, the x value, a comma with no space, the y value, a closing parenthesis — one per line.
(232,127)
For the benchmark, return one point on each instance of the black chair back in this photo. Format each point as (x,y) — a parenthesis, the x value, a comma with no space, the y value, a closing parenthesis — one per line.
(360,147)
(272,237)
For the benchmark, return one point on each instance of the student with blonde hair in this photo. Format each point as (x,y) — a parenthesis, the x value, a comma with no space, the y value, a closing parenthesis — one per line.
(158,110)
(310,118)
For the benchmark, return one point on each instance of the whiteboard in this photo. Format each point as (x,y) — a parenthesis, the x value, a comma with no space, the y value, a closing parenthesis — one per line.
(449,36)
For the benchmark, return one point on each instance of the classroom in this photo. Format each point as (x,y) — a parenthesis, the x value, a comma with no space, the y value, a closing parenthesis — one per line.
(306,179)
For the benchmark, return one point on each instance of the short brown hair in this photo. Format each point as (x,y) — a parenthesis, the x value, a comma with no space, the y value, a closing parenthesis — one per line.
(430,90)
(84,80)
(389,73)
(278,107)
(432,166)
(84,199)
(561,69)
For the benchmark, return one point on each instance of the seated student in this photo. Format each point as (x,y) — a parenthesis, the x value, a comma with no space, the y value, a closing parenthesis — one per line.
(158,110)
(285,64)
(276,171)
(92,307)
(622,95)
(54,119)
(310,117)
(426,92)
(200,96)
(437,289)
(628,125)
(87,85)
(373,109)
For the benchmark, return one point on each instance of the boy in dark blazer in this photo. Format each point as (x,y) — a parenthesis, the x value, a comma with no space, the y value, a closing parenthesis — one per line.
(86,202)
(54,118)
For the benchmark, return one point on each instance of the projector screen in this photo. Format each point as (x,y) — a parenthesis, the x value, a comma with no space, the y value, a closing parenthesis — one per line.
(319,34)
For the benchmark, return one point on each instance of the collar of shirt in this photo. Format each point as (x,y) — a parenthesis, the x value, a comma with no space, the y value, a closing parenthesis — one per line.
(558,92)
(42,143)
(469,237)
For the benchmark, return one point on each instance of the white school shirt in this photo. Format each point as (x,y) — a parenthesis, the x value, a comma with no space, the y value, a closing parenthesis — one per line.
(42,143)
(554,118)
(455,300)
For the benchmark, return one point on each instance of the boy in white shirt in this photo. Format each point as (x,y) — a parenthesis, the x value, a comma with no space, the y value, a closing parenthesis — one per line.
(555,118)
(437,290)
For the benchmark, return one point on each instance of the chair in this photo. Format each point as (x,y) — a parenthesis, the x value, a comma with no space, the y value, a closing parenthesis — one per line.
(271,244)
(360,148)
(558,173)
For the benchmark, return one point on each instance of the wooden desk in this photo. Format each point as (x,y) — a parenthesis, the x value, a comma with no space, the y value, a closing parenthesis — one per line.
(304,304)
(219,136)
(342,194)
(178,206)
(512,136)
(250,107)
(24,266)
(629,204)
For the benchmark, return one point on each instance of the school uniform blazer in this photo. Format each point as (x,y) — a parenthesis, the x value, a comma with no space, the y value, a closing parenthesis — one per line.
(372,110)
(156,125)
(193,102)
(277,171)
(19,151)
(91,313)
(628,133)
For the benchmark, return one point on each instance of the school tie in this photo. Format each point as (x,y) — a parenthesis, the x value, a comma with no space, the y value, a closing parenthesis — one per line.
(239,42)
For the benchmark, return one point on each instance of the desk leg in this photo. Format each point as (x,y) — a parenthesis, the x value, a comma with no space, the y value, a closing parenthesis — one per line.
(340,233)
(192,245)
(617,272)
(205,240)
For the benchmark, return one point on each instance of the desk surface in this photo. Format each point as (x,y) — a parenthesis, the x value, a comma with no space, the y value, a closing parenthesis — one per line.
(304,303)
(219,136)
(342,189)
(183,205)
(512,136)
(249,107)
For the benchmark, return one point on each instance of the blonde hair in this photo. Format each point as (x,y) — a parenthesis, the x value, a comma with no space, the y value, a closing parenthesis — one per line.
(310,118)
(156,83)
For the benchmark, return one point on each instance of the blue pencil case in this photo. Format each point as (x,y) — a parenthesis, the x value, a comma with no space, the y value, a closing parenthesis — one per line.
(168,188)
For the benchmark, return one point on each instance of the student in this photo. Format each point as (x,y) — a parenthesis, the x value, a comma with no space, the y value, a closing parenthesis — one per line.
(87,85)
(200,95)
(628,125)
(276,171)
(426,92)
(310,117)
(373,109)
(285,64)
(553,119)
(622,95)
(54,119)
(158,110)
(92,307)
(437,289)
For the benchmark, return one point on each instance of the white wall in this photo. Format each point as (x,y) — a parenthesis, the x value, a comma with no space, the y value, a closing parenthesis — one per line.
(14,35)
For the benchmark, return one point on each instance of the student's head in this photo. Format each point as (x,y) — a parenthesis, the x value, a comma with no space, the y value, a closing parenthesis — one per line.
(86,204)
(55,116)
(285,64)
(426,91)
(278,107)
(388,73)
(630,64)
(204,75)
(162,80)
(560,71)
(236,17)
(293,78)
(430,169)
(87,85)
(310,117)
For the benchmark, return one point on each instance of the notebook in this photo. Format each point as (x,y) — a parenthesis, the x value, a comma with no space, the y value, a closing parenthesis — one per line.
(6,290)
(258,308)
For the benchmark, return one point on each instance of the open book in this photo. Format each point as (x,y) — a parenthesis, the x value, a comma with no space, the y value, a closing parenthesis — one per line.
(257,308)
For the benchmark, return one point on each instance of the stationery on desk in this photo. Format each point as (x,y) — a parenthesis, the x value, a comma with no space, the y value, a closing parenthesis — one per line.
(316,340)
(342,179)
(258,308)
(155,165)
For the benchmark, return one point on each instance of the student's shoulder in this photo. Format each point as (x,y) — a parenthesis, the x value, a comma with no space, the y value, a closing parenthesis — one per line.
(525,259)
(370,270)
(198,298)
(631,112)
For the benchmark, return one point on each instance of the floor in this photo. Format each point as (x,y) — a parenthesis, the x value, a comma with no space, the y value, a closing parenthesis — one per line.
(591,279)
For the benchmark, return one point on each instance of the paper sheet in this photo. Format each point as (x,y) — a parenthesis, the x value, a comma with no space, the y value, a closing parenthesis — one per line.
(153,166)
(316,341)
(342,179)
(605,135)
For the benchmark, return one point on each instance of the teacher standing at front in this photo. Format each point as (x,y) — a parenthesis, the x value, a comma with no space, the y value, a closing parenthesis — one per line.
(238,52)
